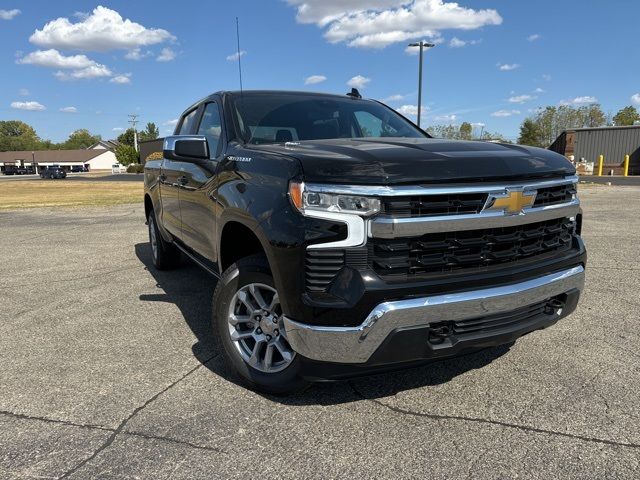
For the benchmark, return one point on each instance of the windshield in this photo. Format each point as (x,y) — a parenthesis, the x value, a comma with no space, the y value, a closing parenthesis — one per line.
(279,118)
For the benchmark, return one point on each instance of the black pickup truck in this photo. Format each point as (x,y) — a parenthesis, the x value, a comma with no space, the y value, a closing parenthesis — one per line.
(347,241)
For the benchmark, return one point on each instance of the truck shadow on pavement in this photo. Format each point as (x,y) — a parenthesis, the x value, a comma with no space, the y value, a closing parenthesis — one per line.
(191,290)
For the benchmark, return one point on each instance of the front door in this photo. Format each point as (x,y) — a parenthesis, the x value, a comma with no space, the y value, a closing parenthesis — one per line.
(171,178)
(197,196)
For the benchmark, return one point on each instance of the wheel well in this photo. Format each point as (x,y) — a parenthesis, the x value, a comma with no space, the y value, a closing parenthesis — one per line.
(237,241)
(148,206)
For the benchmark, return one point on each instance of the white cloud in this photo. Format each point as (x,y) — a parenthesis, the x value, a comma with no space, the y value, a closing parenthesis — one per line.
(52,58)
(455,42)
(635,98)
(546,77)
(408,110)
(69,110)
(171,123)
(234,56)
(446,118)
(505,113)
(33,106)
(505,67)
(534,37)
(104,29)
(93,71)
(539,90)
(313,79)
(394,98)
(521,98)
(379,23)
(9,14)
(166,55)
(121,79)
(137,54)
(23,92)
(117,129)
(358,81)
(585,100)
(478,124)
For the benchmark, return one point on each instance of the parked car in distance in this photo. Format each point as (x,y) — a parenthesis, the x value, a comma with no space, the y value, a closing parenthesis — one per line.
(117,168)
(10,170)
(78,169)
(53,172)
(24,171)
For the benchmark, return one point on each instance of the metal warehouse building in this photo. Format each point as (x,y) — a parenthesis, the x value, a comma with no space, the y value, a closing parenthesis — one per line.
(612,142)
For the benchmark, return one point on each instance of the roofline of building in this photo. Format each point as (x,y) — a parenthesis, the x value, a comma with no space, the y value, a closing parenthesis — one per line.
(608,127)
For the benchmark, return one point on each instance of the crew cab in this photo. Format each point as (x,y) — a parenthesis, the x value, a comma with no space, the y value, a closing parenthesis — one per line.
(345,240)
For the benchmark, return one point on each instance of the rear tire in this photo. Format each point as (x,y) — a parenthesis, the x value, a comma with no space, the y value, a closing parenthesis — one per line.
(164,255)
(247,324)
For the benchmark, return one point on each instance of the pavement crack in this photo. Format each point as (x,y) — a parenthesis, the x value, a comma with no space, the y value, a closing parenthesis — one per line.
(173,440)
(22,416)
(523,428)
(124,422)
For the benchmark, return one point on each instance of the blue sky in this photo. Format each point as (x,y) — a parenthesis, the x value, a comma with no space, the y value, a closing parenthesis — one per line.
(495,62)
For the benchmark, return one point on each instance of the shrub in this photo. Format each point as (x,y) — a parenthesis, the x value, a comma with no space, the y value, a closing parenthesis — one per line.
(135,168)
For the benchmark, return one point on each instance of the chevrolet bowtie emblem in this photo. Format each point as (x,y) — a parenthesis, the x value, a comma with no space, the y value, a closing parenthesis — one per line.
(513,202)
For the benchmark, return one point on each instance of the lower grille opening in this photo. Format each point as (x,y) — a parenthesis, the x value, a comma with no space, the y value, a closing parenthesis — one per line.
(439,332)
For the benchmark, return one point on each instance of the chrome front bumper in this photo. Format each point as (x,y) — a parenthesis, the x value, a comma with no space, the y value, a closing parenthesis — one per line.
(357,344)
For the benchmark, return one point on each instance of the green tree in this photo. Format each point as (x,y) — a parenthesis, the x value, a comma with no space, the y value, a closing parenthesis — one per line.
(17,135)
(127,138)
(626,116)
(592,116)
(126,154)
(466,131)
(150,133)
(80,139)
(530,133)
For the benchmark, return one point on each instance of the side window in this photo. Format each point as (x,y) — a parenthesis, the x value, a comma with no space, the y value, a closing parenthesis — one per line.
(187,123)
(211,127)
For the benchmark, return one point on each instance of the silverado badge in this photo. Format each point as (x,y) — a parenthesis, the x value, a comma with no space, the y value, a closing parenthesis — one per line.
(512,202)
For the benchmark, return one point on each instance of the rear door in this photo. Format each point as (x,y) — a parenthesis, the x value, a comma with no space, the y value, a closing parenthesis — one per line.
(170,178)
(198,193)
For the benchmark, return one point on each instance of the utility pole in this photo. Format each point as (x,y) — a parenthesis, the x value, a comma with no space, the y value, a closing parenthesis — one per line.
(133,121)
(422,45)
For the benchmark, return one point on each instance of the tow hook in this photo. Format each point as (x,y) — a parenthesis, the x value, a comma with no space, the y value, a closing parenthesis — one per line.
(553,306)
(439,332)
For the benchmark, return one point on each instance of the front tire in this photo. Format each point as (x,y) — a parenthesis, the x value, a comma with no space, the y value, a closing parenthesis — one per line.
(248,329)
(164,255)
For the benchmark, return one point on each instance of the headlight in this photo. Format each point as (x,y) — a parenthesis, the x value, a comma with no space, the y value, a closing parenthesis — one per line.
(305,198)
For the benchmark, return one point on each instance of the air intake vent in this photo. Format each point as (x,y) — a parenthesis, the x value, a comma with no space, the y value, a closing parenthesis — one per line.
(434,205)
(321,267)
(555,195)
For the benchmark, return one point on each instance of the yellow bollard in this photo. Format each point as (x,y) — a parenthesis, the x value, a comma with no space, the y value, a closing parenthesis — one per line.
(600,165)
(626,165)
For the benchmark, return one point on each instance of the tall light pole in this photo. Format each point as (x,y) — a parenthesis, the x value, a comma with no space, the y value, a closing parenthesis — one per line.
(422,45)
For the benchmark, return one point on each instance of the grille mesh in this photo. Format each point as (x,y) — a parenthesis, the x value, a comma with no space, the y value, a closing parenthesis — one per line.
(473,249)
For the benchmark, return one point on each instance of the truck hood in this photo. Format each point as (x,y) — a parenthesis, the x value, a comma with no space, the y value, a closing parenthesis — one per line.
(391,161)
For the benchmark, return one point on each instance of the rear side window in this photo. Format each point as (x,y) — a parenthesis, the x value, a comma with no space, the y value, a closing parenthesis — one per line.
(187,123)
(211,127)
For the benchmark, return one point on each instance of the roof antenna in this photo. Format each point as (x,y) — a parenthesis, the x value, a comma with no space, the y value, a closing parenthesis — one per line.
(354,93)
(239,54)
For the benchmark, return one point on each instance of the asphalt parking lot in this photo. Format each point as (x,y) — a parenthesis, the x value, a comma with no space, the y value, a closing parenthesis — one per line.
(108,371)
